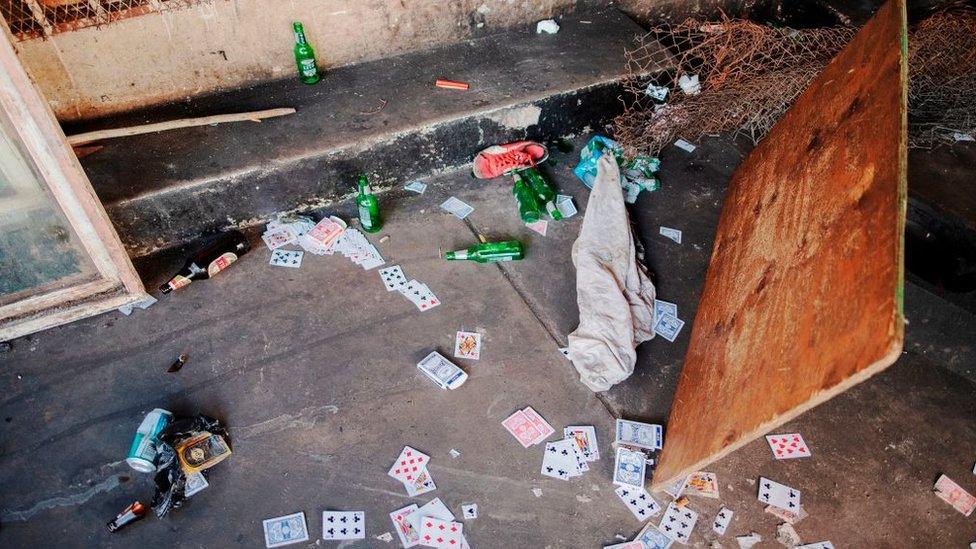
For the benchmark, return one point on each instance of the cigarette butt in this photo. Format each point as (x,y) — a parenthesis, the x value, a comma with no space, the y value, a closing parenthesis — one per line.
(451,84)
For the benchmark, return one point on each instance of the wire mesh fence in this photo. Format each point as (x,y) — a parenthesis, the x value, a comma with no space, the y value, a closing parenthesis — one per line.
(29,19)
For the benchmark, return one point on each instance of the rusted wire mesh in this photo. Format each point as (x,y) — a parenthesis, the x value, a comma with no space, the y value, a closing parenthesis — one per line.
(751,73)
(942,78)
(30,19)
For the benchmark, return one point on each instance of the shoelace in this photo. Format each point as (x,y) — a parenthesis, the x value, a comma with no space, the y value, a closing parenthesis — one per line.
(503,163)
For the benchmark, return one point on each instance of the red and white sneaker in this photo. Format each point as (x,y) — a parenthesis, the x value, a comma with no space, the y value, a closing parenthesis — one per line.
(499,160)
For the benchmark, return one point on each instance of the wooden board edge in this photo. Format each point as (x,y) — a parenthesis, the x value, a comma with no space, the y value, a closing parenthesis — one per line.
(815,400)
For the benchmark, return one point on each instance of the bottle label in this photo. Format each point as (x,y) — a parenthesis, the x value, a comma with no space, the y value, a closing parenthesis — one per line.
(221,263)
(179,281)
(308,67)
(364,217)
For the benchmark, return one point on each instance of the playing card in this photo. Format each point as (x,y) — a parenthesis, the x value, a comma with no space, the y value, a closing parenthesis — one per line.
(545,430)
(702,484)
(656,92)
(955,495)
(585,438)
(467,345)
(422,484)
(629,468)
(675,488)
(559,460)
(195,482)
(285,530)
(416,186)
(343,525)
(326,232)
(653,538)
(779,495)
(638,501)
(405,531)
(433,508)
(565,205)
(745,542)
(662,308)
(787,516)
(278,238)
(393,278)
(564,351)
(469,511)
(673,234)
(442,371)
(684,145)
(420,295)
(541,226)
(640,435)
(817,545)
(287,258)
(409,464)
(435,532)
(522,428)
(678,522)
(788,446)
(457,207)
(313,247)
(668,326)
(722,520)
(625,545)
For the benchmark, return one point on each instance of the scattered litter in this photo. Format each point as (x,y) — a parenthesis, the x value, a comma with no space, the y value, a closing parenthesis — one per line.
(565,205)
(195,482)
(639,435)
(651,537)
(216,256)
(659,93)
(183,447)
(403,527)
(722,520)
(549,26)
(385,536)
(828,545)
(668,327)
(958,136)
(467,345)
(451,84)
(128,515)
(487,252)
(534,195)
(287,258)
(673,234)
(704,484)
(662,308)
(141,304)
(416,186)
(457,207)
(682,501)
(684,145)
(469,511)
(955,495)
(787,535)
(745,542)
(788,446)
(788,516)
(563,460)
(675,488)
(285,530)
(638,502)
(384,238)
(778,495)
(528,427)
(537,492)
(342,525)
(417,292)
(636,175)
(143,450)
(454,453)
(177,365)
(444,373)
(678,523)
(540,226)
(626,545)
(689,84)
(585,438)
(629,467)
(564,351)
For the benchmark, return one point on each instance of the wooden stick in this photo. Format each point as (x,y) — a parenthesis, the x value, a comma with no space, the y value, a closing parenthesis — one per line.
(255,116)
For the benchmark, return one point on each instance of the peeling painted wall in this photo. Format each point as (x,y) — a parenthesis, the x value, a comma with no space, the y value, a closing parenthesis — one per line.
(175,54)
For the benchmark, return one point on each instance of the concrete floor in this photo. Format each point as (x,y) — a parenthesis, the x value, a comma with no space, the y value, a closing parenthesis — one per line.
(313,371)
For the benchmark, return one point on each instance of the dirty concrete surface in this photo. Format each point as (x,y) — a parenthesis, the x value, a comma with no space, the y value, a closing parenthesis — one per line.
(313,371)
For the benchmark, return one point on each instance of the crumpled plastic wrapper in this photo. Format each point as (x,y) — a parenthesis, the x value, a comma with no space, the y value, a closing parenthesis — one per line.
(170,478)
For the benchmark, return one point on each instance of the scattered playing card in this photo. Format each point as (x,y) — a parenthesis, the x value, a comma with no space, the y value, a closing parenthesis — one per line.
(433,508)
(787,516)
(545,430)
(285,530)
(343,525)
(662,308)
(393,278)
(701,483)
(788,446)
(420,295)
(565,205)
(675,488)
(467,345)
(416,186)
(819,545)
(564,351)
(673,234)
(955,495)
(435,532)
(626,545)
(640,435)
(405,530)
(678,522)
(684,145)
(278,238)
(668,326)
(522,428)
(457,207)
(444,373)
(559,460)
(409,464)
(722,520)
(629,468)
(777,494)
(656,92)
(287,258)
(638,501)
(585,438)
(422,484)
(195,482)
(653,538)
(540,226)
(469,511)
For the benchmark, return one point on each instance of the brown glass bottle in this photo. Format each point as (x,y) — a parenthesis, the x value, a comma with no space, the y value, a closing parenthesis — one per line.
(210,260)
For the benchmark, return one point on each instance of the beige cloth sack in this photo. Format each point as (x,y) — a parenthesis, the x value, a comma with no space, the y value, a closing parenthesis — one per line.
(615,296)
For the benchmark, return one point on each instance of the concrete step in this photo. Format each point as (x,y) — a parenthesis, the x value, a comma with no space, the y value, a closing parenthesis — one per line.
(384,118)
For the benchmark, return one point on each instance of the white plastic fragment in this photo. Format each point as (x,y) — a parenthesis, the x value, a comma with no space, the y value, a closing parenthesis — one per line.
(537,492)
(142,304)
(385,536)
(659,93)
(454,453)
(959,136)
(745,542)
(689,84)
(684,145)
(549,26)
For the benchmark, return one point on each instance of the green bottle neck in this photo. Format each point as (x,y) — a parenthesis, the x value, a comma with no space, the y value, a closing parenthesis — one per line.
(364,186)
(299,34)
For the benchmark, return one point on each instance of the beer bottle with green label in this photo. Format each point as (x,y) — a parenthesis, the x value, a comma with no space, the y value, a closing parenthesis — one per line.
(510,250)
(369,207)
(304,56)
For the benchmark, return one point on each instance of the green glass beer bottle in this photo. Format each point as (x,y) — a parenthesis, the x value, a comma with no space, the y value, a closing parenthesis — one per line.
(543,192)
(369,207)
(304,56)
(510,250)
(528,206)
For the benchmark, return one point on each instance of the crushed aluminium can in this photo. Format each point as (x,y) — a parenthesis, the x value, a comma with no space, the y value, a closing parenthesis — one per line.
(142,453)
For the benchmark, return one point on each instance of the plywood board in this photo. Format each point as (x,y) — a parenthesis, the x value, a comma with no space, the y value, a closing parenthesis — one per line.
(802,298)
